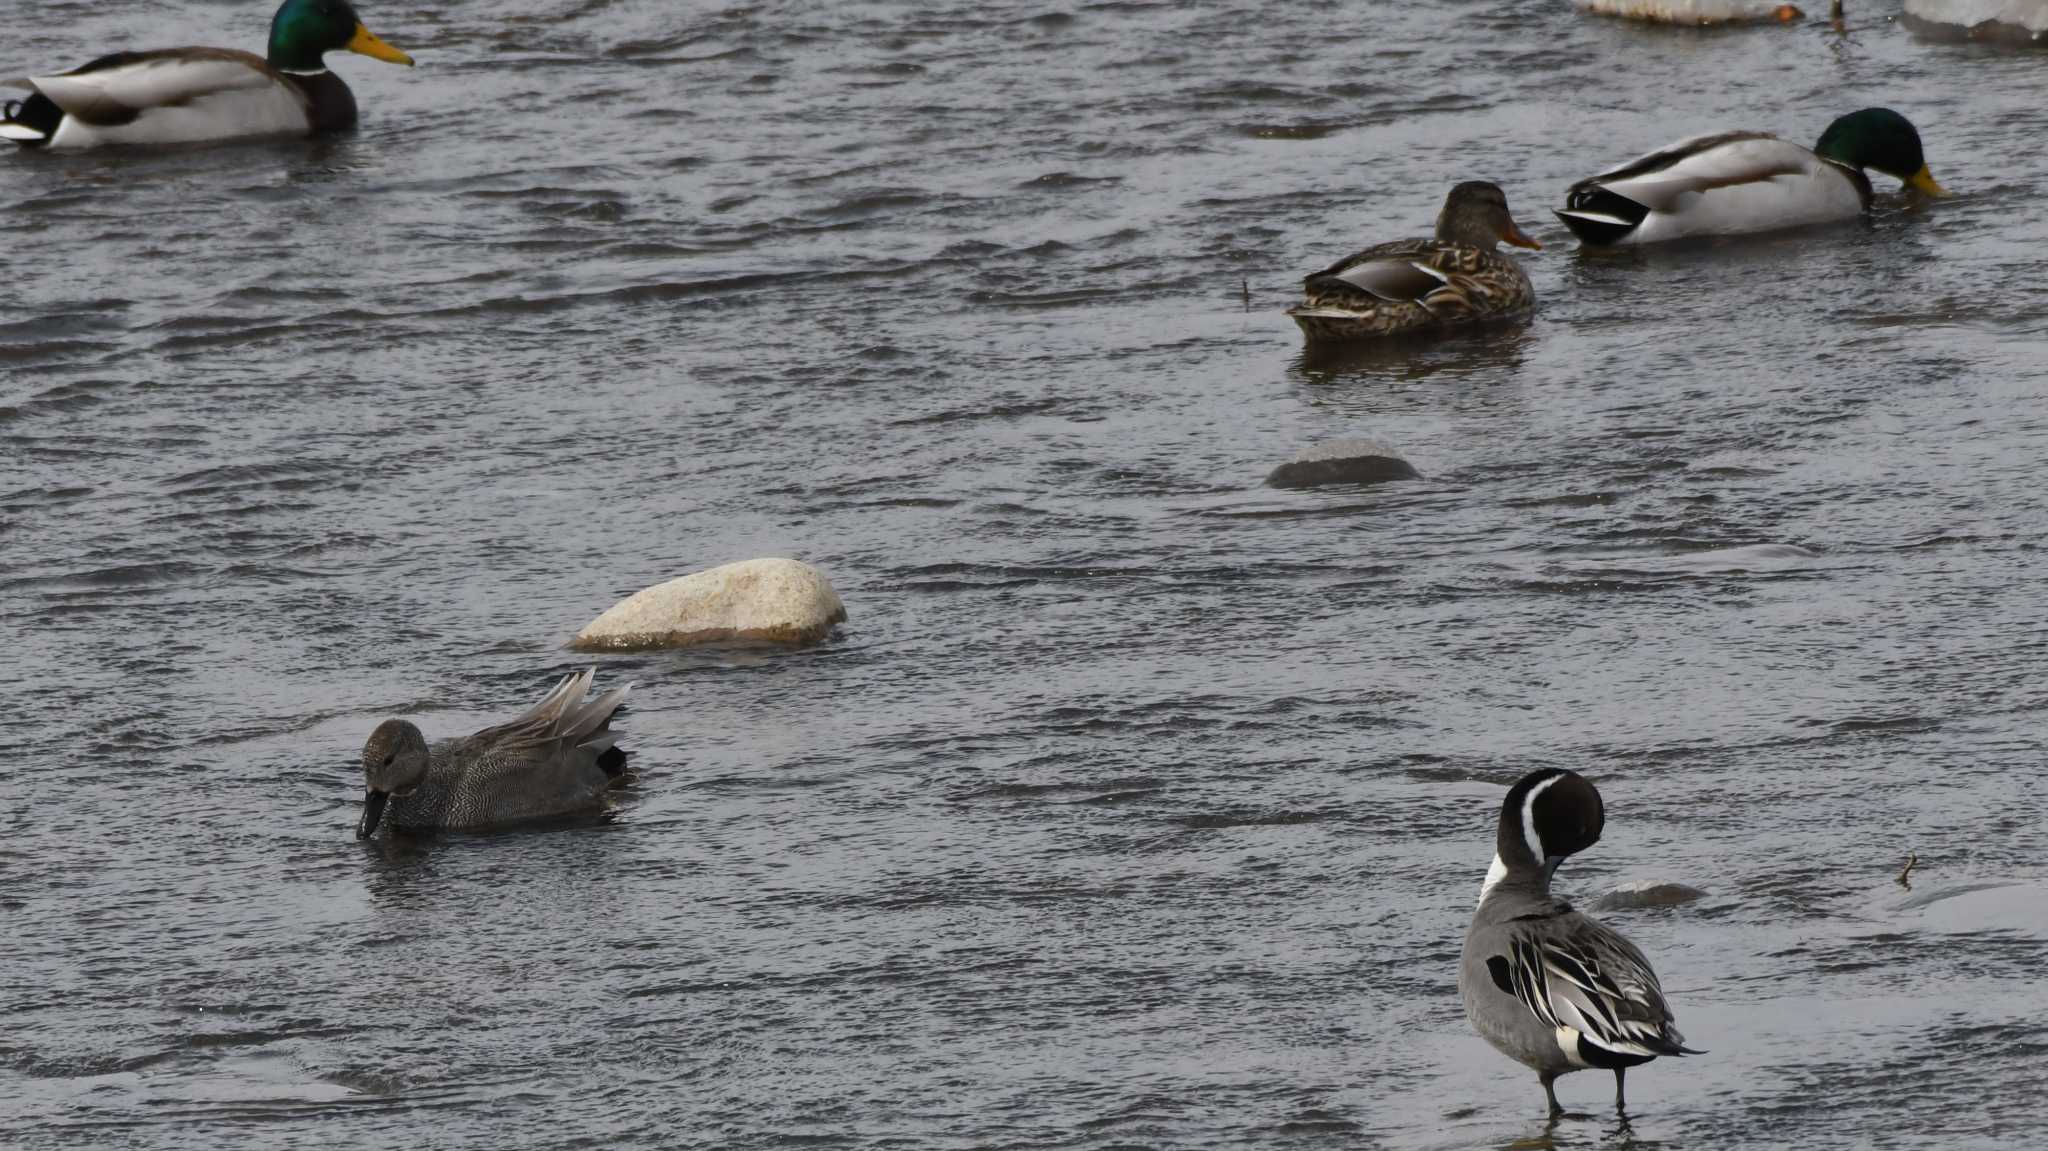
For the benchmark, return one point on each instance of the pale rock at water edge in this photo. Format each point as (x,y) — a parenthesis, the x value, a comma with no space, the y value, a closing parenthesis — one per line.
(778,601)
(1698,12)
(2021,21)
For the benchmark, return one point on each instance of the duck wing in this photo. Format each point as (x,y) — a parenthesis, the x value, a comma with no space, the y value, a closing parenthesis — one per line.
(1402,272)
(1720,184)
(1577,975)
(1700,162)
(116,89)
(1446,280)
(556,758)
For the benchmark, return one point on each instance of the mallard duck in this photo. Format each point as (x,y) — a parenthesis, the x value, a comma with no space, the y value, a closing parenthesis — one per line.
(1459,276)
(185,95)
(1735,182)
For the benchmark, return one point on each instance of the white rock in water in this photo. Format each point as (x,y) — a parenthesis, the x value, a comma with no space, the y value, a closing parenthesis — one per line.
(1695,11)
(1343,462)
(753,601)
(1985,19)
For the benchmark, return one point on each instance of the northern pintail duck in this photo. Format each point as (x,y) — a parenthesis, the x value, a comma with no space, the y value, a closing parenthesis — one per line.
(1546,985)
(556,759)
(1456,277)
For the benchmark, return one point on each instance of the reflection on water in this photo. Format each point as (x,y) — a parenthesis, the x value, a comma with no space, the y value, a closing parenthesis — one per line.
(1492,351)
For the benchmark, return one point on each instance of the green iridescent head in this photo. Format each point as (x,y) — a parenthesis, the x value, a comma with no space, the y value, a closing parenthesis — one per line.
(1882,140)
(303,31)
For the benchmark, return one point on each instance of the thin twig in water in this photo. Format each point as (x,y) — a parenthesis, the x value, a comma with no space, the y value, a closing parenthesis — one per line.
(1246,287)
(1912,861)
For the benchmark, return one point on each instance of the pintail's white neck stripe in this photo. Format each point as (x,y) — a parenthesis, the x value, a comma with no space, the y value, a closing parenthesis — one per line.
(1529,836)
(1494,874)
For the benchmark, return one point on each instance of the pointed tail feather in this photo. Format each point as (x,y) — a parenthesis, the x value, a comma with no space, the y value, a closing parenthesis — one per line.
(547,713)
(590,717)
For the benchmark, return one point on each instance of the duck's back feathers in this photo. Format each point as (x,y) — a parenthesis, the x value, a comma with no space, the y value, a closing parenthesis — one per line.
(113,89)
(1394,272)
(557,758)
(1721,184)
(179,95)
(1410,285)
(1592,988)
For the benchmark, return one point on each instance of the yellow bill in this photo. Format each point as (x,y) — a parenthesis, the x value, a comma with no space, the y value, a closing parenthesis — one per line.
(366,42)
(1923,181)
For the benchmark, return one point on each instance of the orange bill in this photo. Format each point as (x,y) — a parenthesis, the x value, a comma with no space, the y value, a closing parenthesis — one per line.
(366,42)
(1923,181)
(1519,238)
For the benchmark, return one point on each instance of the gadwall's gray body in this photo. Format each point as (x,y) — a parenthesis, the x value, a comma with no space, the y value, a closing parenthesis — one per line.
(1547,986)
(556,759)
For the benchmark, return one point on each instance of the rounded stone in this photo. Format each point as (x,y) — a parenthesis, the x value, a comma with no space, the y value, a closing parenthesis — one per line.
(771,601)
(1343,462)
(1647,894)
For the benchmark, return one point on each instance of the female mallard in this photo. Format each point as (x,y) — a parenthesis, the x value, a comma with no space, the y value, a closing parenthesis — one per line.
(1736,182)
(184,95)
(1457,277)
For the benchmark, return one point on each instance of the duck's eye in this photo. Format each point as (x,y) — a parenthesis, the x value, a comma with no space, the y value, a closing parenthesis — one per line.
(389,758)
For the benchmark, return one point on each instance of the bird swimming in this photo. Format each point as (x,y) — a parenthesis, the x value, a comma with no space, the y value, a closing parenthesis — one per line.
(190,95)
(558,758)
(1730,183)
(1456,277)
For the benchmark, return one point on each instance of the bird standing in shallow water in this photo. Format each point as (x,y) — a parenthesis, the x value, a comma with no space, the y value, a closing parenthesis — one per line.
(1546,985)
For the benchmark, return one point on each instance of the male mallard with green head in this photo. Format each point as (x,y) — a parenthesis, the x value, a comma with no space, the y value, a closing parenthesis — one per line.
(1457,277)
(186,95)
(1735,182)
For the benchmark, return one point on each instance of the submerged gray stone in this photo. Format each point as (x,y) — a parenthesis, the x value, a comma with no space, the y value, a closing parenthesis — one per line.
(1343,462)
(1646,893)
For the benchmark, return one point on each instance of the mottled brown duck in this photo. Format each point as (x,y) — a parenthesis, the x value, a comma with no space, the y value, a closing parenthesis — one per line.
(1455,278)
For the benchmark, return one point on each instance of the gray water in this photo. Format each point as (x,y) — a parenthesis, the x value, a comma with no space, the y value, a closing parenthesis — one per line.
(1137,804)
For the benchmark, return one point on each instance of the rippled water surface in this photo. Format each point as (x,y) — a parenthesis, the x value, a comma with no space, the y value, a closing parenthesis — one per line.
(1137,804)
